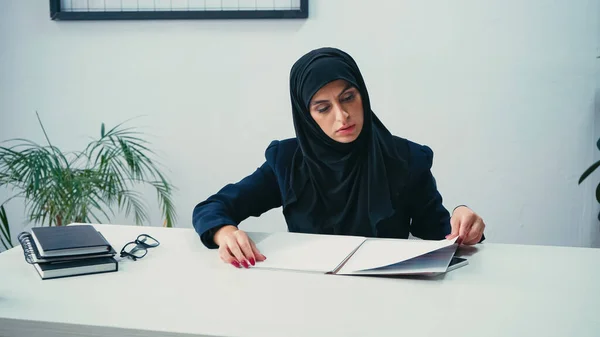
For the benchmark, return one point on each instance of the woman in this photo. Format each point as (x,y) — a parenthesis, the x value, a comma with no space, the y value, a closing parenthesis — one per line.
(343,174)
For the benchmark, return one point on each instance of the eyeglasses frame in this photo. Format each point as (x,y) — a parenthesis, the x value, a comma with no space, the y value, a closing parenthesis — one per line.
(139,245)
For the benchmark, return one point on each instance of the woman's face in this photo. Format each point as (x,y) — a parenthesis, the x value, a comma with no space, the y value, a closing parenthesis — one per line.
(337,108)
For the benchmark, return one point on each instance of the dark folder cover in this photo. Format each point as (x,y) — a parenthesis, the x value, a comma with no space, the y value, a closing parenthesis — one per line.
(77,267)
(69,240)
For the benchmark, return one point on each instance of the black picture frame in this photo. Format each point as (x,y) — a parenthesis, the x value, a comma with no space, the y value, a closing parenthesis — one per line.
(58,15)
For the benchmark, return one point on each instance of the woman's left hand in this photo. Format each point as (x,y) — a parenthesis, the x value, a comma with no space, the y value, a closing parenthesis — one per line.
(467,225)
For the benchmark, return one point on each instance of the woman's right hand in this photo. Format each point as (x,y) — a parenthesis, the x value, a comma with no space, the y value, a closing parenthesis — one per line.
(236,248)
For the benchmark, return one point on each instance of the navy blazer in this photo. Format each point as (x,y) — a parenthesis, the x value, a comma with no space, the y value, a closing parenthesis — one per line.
(416,200)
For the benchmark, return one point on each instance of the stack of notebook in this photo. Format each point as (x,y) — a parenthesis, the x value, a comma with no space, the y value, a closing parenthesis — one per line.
(68,251)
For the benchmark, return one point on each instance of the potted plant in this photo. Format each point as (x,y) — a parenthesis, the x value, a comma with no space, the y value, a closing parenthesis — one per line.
(589,171)
(83,186)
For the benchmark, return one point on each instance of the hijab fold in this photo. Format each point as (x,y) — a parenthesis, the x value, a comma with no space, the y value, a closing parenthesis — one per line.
(342,188)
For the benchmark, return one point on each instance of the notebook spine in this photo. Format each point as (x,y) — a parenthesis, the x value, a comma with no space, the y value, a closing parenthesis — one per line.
(28,246)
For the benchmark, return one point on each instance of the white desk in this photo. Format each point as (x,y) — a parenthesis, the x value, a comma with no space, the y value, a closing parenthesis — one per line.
(183,289)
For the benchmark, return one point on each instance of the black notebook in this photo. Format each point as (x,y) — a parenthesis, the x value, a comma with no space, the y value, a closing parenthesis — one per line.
(69,240)
(76,267)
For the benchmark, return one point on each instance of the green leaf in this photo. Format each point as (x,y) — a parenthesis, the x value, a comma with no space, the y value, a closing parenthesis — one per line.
(5,229)
(598,193)
(102,131)
(598,144)
(589,171)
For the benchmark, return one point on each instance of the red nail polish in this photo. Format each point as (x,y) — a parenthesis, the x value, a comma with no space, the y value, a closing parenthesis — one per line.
(252,261)
(245,263)
(235,263)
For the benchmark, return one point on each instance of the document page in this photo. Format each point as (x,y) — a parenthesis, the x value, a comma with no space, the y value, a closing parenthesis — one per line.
(306,252)
(378,253)
(434,262)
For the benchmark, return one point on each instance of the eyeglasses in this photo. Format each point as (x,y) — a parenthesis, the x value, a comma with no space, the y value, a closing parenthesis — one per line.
(139,248)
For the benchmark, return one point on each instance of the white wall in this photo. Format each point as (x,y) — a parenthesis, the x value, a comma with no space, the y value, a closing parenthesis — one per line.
(503,91)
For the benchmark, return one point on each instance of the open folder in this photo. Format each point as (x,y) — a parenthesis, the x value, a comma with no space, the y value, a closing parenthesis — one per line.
(354,255)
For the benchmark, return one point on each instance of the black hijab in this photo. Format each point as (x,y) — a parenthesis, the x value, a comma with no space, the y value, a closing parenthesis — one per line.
(340,188)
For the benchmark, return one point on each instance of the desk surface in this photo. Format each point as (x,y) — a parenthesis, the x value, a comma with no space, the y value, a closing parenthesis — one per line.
(182,288)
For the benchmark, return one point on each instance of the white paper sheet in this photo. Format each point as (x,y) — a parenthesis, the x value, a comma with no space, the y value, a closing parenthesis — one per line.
(431,263)
(306,252)
(377,253)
